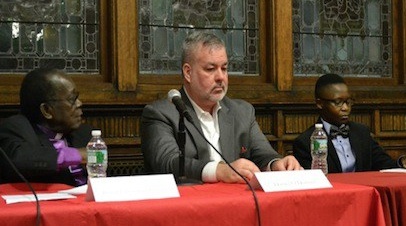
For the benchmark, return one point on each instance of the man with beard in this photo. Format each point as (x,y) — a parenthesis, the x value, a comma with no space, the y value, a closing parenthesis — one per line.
(228,124)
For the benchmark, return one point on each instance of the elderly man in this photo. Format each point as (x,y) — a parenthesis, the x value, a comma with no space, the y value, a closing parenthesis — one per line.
(47,140)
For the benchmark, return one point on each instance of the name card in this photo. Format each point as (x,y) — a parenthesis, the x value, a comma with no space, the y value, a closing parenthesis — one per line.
(272,181)
(394,170)
(127,188)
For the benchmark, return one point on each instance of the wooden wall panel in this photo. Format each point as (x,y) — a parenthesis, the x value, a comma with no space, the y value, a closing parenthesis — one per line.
(364,118)
(297,123)
(116,126)
(280,123)
(393,122)
(267,123)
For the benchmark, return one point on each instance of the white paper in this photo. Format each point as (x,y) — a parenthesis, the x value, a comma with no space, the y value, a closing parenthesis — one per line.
(128,188)
(395,170)
(272,181)
(30,197)
(76,190)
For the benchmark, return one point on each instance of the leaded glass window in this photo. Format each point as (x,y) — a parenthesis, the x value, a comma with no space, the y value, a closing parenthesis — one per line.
(347,37)
(49,33)
(164,24)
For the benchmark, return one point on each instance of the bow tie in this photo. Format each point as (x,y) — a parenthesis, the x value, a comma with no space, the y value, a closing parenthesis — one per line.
(343,131)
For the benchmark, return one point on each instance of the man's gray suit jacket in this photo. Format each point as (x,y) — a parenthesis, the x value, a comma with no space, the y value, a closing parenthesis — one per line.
(240,136)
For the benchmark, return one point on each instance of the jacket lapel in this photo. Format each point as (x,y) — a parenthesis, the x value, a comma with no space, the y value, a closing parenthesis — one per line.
(195,131)
(226,126)
(334,163)
(355,146)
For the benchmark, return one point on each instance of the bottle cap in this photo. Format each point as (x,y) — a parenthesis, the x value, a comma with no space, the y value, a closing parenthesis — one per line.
(319,125)
(96,133)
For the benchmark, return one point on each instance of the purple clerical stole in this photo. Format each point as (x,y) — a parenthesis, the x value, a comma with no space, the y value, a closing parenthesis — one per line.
(68,157)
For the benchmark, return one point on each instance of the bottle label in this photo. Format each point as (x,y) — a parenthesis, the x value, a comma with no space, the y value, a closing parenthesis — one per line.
(97,157)
(319,144)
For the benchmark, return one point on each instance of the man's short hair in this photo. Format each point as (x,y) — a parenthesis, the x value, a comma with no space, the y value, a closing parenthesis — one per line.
(326,80)
(204,37)
(36,88)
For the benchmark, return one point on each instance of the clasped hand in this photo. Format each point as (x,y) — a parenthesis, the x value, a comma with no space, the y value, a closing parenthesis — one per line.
(247,169)
(243,166)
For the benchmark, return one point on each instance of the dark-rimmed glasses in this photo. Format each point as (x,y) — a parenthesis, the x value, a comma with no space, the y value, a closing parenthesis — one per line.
(339,102)
(71,99)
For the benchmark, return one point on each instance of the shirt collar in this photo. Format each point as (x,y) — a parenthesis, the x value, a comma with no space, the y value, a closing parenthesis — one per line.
(327,125)
(199,111)
(51,134)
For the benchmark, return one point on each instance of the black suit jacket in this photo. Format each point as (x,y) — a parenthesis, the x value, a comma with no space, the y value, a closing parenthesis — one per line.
(368,154)
(32,152)
(240,136)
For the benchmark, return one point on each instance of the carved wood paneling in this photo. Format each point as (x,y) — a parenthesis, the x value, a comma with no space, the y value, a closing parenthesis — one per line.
(393,122)
(267,123)
(281,124)
(116,126)
(297,123)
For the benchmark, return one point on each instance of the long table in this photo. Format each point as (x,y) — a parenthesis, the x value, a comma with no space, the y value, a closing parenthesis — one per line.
(207,204)
(391,187)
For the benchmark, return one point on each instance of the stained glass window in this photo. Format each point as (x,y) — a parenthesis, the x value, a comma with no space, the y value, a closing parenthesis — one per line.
(164,24)
(49,33)
(347,37)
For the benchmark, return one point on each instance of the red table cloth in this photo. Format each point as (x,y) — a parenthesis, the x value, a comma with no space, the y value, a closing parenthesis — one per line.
(391,187)
(208,204)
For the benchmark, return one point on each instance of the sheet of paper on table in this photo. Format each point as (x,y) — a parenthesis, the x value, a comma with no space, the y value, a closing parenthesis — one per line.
(76,190)
(394,170)
(30,197)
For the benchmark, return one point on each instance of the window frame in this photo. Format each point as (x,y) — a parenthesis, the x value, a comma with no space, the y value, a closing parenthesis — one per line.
(120,82)
(398,35)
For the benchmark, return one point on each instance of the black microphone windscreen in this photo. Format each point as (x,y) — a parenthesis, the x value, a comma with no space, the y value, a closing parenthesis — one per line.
(175,97)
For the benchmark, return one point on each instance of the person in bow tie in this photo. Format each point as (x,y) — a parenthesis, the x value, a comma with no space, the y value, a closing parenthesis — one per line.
(47,140)
(350,145)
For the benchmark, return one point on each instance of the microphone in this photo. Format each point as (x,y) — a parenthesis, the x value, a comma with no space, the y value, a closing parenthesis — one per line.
(175,97)
(38,217)
(239,174)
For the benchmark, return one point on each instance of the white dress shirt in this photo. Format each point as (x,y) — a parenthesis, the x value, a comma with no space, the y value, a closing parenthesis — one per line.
(211,130)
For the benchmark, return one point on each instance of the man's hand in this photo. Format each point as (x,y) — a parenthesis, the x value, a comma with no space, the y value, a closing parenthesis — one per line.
(287,163)
(403,161)
(243,166)
(83,153)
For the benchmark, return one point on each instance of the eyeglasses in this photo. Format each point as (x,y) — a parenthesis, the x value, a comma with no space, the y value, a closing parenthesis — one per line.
(71,100)
(340,102)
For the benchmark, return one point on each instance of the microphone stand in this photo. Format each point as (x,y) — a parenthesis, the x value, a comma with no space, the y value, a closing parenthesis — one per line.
(182,179)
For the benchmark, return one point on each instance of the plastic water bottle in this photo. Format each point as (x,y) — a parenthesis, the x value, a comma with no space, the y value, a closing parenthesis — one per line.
(318,148)
(96,155)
